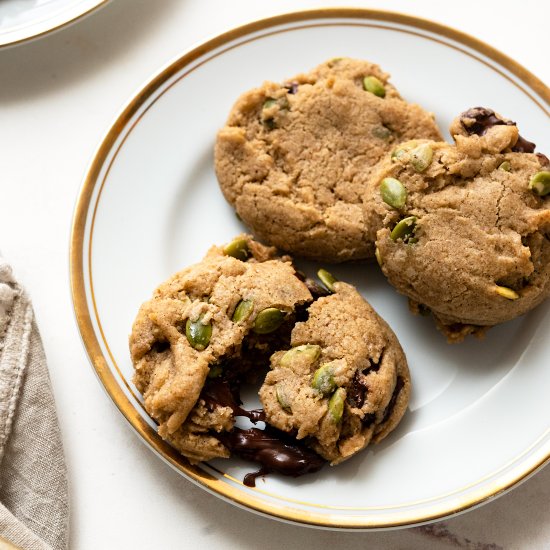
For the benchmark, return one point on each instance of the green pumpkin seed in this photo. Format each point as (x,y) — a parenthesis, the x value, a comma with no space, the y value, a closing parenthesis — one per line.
(327,279)
(268,103)
(307,353)
(506,292)
(215,371)
(421,157)
(378,256)
(268,320)
(242,311)
(238,248)
(282,397)
(540,183)
(198,334)
(323,379)
(336,404)
(374,86)
(393,193)
(404,229)
(381,132)
(506,166)
(398,154)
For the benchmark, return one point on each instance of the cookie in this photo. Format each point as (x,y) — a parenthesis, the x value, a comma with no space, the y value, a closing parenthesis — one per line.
(344,383)
(295,159)
(224,313)
(212,328)
(466,226)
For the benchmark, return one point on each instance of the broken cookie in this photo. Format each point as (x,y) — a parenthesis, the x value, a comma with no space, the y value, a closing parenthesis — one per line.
(213,327)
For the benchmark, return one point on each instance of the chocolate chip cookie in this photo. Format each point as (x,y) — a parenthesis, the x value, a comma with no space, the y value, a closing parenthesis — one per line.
(344,383)
(222,315)
(466,226)
(294,159)
(212,328)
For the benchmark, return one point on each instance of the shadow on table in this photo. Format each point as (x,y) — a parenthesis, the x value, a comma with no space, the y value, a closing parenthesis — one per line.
(60,59)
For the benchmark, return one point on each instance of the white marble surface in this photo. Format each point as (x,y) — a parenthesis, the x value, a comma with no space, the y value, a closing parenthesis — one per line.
(58,95)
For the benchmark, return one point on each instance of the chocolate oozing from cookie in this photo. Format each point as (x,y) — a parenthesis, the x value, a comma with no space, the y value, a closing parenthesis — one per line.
(253,302)
(478,120)
(336,386)
(274,450)
(218,393)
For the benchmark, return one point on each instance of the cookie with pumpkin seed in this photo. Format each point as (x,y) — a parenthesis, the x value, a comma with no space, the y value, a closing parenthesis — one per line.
(294,159)
(465,227)
(345,381)
(222,316)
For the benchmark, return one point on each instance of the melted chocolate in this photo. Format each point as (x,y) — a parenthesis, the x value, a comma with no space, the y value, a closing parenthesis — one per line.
(317,291)
(484,119)
(359,387)
(274,450)
(368,419)
(543,159)
(399,383)
(523,146)
(357,391)
(218,393)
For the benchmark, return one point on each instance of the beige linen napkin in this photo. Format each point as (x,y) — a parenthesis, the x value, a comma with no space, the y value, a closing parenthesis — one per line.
(34,507)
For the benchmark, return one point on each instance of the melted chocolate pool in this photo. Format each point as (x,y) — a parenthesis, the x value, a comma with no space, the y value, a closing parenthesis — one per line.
(274,450)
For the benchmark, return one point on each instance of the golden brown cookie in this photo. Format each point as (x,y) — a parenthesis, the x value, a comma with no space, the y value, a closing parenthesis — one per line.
(295,159)
(344,383)
(212,328)
(224,313)
(466,227)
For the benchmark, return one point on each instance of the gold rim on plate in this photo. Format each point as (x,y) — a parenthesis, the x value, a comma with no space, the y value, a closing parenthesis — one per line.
(78,253)
(64,23)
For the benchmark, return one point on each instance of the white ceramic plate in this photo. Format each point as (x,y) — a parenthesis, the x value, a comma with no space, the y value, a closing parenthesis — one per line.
(479,414)
(22,20)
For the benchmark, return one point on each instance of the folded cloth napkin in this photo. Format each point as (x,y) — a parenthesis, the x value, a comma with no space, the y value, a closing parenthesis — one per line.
(34,508)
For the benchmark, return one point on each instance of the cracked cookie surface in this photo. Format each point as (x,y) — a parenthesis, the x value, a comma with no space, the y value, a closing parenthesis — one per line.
(295,159)
(474,245)
(171,369)
(344,383)
(213,327)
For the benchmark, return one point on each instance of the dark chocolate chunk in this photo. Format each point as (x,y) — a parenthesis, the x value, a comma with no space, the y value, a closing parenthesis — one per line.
(399,383)
(274,450)
(368,420)
(523,146)
(357,391)
(317,291)
(219,393)
(478,120)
